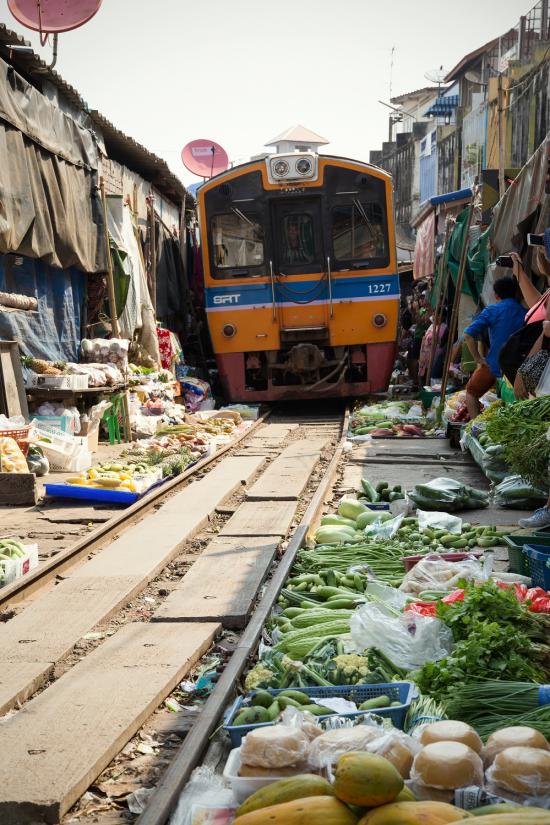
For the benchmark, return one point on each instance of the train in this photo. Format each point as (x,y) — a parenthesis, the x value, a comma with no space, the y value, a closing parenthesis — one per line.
(301,284)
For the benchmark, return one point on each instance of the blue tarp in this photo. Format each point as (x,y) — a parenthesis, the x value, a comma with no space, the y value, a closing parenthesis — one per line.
(54,330)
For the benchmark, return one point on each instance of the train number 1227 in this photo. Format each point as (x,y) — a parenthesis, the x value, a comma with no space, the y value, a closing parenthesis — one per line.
(378,289)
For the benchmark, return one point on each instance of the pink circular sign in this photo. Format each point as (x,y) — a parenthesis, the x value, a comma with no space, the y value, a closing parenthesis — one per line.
(205,158)
(53,16)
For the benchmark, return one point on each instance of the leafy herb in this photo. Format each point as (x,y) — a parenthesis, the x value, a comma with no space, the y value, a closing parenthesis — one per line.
(521,429)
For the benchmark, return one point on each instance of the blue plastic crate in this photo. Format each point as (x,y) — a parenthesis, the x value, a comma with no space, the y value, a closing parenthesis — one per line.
(538,556)
(403,692)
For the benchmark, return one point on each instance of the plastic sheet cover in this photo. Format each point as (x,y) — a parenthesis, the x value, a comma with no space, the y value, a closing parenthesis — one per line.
(53,332)
(49,204)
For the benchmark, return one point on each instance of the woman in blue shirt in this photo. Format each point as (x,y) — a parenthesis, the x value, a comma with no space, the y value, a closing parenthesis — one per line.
(500,320)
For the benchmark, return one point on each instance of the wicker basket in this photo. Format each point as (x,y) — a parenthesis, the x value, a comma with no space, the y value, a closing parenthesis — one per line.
(20,436)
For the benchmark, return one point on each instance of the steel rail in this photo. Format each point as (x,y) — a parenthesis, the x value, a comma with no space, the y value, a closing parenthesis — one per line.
(165,798)
(34,580)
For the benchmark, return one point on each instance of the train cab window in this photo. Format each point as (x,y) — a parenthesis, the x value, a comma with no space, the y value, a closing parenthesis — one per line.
(359,232)
(298,245)
(238,240)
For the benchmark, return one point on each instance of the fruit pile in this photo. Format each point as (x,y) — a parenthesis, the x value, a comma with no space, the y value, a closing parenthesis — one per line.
(120,477)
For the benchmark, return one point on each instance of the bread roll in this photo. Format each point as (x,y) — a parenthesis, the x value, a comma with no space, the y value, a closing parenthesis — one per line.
(523,770)
(447,765)
(279,746)
(325,749)
(396,751)
(447,730)
(517,736)
(248,770)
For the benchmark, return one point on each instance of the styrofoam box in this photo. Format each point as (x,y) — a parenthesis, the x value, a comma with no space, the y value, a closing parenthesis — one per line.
(15,568)
(244,786)
(58,382)
(9,568)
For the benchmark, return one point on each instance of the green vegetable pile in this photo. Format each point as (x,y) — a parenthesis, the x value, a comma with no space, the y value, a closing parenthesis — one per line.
(10,550)
(495,638)
(448,495)
(521,430)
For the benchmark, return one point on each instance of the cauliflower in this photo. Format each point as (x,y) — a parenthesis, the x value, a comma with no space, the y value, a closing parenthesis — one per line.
(352,667)
(259,676)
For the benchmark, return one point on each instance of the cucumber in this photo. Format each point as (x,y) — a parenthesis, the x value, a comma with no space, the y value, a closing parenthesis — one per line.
(297,695)
(376,702)
(274,710)
(317,710)
(344,604)
(287,701)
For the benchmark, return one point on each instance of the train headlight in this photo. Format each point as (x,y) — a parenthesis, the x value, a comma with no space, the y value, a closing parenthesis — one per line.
(303,166)
(380,320)
(280,168)
(229,330)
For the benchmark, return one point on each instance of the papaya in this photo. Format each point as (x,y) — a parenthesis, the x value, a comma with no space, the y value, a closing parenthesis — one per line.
(414,813)
(311,810)
(503,808)
(527,816)
(251,716)
(286,790)
(366,779)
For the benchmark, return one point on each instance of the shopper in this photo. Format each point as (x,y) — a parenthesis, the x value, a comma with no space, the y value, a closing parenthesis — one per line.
(539,519)
(499,320)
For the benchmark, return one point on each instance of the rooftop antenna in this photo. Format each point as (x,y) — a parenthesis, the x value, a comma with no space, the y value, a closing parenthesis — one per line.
(53,17)
(392,57)
(437,76)
(204,158)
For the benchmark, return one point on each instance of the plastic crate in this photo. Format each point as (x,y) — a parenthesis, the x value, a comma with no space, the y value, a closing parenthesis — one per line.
(538,556)
(51,438)
(58,382)
(64,423)
(519,563)
(412,561)
(403,692)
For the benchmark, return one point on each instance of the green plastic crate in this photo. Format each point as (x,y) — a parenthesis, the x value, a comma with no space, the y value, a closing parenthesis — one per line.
(519,563)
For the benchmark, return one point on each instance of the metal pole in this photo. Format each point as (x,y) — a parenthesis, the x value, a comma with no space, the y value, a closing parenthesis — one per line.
(443,282)
(453,324)
(110,278)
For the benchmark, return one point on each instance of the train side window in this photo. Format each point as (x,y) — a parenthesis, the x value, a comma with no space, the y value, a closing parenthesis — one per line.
(238,240)
(359,231)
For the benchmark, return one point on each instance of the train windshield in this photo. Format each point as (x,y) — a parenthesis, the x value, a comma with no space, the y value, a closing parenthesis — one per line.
(359,231)
(298,235)
(238,240)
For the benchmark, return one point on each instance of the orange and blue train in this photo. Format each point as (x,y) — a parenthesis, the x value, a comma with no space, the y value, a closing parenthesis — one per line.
(300,275)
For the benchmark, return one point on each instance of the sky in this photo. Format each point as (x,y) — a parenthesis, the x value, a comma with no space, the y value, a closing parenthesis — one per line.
(240,72)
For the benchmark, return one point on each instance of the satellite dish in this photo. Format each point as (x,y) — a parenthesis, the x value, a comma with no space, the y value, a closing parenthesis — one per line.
(204,158)
(436,75)
(53,16)
(474,77)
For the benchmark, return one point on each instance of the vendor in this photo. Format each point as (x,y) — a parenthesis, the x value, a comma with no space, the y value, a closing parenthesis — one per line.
(499,320)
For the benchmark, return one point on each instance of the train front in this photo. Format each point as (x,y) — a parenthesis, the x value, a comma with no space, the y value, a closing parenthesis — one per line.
(301,284)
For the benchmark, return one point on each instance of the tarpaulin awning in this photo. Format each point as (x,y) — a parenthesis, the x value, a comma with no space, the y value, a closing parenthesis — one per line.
(49,203)
(424,251)
(53,331)
(521,201)
(477,259)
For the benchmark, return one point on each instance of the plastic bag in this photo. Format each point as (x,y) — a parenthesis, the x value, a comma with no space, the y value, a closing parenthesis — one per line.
(384,529)
(326,749)
(543,387)
(434,573)
(448,494)
(409,641)
(516,493)
(439,521)
(204,793)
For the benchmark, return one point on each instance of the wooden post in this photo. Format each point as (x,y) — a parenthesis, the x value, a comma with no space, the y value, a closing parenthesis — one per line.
(153,253)
(440,303)
(110,278)
(453,324)
(500,110)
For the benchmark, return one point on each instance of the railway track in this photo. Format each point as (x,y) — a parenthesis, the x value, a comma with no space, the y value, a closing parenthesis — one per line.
(238,516)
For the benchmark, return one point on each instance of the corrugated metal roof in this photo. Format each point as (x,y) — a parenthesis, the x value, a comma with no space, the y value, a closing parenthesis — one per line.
(417,93)
(120,147)
(463,64)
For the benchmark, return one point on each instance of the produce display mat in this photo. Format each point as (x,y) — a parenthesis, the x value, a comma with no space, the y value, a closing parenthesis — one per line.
(98,494)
